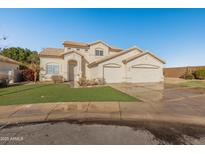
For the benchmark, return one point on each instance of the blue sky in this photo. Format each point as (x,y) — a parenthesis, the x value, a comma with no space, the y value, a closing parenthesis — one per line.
(175,35)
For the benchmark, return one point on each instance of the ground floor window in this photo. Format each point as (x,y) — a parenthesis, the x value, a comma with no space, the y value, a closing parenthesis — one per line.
(52,68)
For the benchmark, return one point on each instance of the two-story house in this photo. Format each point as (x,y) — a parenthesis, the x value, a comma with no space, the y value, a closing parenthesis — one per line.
(100,60)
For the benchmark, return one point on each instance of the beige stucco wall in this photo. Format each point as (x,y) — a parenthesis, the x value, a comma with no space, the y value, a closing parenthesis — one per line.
(5,67)
(117,60)
(9,70)
(91,54)
(126,72)
(153,72)
(46,60)
(63,66)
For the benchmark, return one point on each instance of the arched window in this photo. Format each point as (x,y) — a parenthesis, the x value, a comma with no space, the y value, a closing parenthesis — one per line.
(99,52)
(52,68)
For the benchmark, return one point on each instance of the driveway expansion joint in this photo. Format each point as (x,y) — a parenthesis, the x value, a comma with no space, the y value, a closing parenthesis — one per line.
(18,110)
(46,118)
(120,112)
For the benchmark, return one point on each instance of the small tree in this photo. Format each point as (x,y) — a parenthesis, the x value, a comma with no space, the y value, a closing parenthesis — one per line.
(22,55)
(35,68)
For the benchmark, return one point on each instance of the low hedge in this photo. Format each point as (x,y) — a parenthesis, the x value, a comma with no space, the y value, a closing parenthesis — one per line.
(199,74)
(189,76)
(57,78)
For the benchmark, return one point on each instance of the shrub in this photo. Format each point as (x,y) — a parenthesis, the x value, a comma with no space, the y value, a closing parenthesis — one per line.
(28,75)
(92,82)
(83,81)
(100,81)
(57,78)
(189,76)
(200,74)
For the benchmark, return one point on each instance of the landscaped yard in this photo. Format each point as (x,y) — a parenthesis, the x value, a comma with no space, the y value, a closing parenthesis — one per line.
(40,93)
(195,84)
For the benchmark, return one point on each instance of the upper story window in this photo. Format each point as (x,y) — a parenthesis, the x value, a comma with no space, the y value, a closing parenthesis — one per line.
(99,52)
(52,68)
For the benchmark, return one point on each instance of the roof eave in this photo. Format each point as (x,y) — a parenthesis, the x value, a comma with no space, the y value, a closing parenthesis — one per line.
(138,56)
(51,56)
(162,61)
(92,65)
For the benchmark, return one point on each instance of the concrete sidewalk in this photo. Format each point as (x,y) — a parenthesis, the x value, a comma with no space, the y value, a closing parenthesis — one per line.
(93,111)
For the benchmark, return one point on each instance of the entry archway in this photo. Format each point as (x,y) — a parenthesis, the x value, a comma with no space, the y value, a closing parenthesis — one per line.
(72,69)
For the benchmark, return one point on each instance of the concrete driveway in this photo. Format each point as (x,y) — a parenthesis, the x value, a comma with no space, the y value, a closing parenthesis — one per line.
(166,99)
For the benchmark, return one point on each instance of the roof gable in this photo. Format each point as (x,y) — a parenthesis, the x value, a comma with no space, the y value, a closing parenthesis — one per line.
(70,52)
(97,42)
(136,48)
(109,46)
(86,45)
(74,52)
(95,63)
(125,61)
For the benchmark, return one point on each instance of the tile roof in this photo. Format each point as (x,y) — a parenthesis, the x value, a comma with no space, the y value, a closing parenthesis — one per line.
(55,52)
(110,46)
(59,52)
(8,60)
(72,43)
(81,44)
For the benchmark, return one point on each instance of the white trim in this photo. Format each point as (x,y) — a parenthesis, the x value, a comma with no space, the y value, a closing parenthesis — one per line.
(145,66)
(112,65)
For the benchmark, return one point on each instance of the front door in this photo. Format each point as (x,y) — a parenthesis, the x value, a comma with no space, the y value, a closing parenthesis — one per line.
(72,70)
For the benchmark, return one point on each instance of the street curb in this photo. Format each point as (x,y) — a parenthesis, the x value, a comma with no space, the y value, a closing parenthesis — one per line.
(104,117)
(88,111)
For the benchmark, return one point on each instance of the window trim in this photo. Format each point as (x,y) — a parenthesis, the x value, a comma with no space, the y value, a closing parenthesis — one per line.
(99,52)
(54,68)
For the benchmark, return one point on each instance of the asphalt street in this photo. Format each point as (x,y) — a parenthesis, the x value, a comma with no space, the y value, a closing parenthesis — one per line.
(64,132)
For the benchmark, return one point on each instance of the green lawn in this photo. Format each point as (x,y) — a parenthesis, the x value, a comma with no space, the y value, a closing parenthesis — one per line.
(42,93)
(195,84)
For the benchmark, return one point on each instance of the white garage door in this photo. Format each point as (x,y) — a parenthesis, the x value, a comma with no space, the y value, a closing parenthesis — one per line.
(138,75)
(113,74)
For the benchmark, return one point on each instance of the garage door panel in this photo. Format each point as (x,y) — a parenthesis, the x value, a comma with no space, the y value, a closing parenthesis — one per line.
(145,75)
(112,74)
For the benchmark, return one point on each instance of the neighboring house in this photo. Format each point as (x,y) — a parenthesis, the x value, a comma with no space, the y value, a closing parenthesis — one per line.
(9,68)
(100,60)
